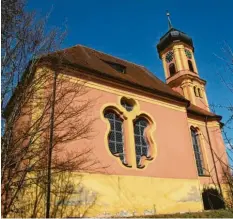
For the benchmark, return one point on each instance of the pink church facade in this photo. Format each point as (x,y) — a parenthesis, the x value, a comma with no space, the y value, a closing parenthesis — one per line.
(172,164)
(158,142)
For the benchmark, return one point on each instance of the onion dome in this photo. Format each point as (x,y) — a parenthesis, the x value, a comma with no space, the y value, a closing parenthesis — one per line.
(173,35)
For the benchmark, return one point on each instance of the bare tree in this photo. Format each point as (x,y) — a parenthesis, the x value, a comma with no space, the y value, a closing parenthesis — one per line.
(27,99)
(226,78)
(69,198)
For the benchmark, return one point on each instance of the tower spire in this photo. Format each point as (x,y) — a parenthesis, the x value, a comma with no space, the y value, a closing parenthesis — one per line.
(169,21)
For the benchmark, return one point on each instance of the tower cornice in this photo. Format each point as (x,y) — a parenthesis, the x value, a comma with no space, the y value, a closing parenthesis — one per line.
(183,77)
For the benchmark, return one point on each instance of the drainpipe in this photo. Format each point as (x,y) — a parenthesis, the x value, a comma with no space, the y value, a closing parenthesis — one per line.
(51,132)
(212,154)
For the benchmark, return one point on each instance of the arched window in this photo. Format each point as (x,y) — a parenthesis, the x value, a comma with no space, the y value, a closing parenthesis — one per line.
(172,69)
(119,133)
(195,91)
(197,151)
(190,65)
(115,136)
(141,143)
(199,92)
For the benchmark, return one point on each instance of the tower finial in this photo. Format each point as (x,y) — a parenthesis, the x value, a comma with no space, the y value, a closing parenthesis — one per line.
(169,21)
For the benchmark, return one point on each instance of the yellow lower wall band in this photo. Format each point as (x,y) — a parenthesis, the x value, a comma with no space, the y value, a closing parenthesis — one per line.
(134,195)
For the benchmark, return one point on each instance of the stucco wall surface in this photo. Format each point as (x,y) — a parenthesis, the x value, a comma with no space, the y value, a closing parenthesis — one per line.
(171,136)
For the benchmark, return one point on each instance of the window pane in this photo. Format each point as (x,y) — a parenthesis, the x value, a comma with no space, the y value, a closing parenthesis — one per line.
(111,124)
(143,123)
(197,152)
(138,150)
(115,136)
(109,115)
(119,148)
(119,137)
(137,140)
(143,141)
(141,146)
(144,151)
(138,159)
(112,147)
(118,125)
(111,136)
(136,130)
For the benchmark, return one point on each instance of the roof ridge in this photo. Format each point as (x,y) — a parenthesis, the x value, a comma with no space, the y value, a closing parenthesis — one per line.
(112,56)
(60,50)
(86,47)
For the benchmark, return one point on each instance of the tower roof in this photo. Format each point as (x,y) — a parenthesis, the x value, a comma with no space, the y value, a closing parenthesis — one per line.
(173,35)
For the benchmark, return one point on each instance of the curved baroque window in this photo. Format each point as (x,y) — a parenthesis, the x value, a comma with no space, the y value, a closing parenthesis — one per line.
(197,151)
(115,136)
(141,143)
(133,147)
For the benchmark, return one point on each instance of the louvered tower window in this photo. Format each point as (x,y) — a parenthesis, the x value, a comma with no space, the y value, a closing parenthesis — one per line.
(172,69)
(190,66)
(195,91)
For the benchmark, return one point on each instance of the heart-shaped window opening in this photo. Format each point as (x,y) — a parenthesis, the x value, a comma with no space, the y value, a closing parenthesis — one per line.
(128,104)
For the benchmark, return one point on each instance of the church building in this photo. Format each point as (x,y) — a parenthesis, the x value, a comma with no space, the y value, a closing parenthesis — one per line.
(158,140)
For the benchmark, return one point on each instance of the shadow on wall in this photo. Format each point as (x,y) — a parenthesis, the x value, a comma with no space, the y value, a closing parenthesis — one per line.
(212,199)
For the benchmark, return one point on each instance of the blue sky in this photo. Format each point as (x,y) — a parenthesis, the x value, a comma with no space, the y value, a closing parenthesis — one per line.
(130,29)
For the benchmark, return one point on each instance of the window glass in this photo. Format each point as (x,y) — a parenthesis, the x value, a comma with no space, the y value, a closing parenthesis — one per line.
(141,145)
(197,152)
(126,105)
(115,136)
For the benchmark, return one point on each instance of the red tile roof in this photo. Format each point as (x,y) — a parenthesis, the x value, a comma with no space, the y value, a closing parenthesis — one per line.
(84,57)
(201,112)
(91,59)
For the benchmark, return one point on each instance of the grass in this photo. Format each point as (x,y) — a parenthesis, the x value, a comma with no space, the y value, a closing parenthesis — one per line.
(205,214)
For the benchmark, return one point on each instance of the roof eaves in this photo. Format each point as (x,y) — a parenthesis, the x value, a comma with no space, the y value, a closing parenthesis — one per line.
(194,112)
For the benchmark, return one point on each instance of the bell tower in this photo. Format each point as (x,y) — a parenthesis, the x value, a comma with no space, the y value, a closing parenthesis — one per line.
(176,51)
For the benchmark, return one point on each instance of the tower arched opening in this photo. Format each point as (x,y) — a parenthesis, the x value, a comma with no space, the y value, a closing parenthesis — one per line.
(172,69)
(190,65)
